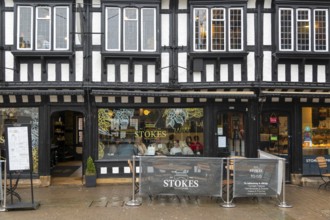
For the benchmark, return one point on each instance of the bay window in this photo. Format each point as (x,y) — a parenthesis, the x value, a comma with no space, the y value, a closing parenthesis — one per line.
(51,25)
(218,29)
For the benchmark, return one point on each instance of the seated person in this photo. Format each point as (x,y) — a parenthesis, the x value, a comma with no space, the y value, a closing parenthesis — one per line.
(176,149)
(186,150)
(142,149)
(196,146)
(160,148)
(126,149)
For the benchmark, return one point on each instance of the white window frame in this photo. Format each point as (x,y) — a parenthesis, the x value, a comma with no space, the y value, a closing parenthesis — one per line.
(119,29)
(206,31)
(309,30)
(327,30)
(224,27)
(137,28)
(154,32)
(292,30)
(50,26)
(242,28)
(31,27)
(67,28)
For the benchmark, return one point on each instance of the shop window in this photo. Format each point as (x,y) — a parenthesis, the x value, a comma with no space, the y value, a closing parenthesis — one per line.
(42,28)
(126,132)
(130,29)
(303,30)
(21,116)
(218,29)
(315,137)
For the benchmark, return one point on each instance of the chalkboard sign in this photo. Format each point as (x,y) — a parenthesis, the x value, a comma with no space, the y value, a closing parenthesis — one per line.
(18,143)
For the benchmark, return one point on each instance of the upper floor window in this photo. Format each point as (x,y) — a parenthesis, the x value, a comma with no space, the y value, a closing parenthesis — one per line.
(43,28)
(130,29)
(218,29)
(303,30)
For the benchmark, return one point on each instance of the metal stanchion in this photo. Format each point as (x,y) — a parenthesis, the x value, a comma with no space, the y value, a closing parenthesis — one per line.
(4,192)
(133,202)
(283,204)
(228,203)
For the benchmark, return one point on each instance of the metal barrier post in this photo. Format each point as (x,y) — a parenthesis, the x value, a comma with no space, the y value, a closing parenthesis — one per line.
(133,202)
(4,192)
(228,203)
(283,204)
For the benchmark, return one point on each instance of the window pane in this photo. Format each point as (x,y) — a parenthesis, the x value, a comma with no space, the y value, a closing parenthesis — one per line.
(285,29)
(130,29)
(236,35)
(24,25)
(112,28)
(200,29)
(321,30)
(61,28)
(148,29)
(43,28)
(303,30)
(218,29)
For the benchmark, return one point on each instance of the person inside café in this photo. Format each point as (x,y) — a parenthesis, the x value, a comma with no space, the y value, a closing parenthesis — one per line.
(160,148)
(176,149)
(141,147)
(126,149)
(196,146)
(186,150)
(111,149)
(170,142)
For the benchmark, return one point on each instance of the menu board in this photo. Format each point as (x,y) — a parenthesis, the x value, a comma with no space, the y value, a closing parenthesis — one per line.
(18,145)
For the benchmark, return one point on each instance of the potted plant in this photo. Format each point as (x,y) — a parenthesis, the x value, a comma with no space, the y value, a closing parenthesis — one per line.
(90,174)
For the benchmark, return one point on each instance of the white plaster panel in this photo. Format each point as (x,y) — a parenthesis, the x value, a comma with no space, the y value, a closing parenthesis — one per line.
(124,99)
(53,98)
(12,99)
(111,73)
(81,2)
(23,72)
(25,99)
(327,100)
(98,99)
(151,75)
(67,98)
(267,70)
(182,69)
(209,73)
(9,64)
(165,4)
(80,98)
(165,33)
(294,69)
(96,28)
(182,29)
(65,72)
(137,99)
(177,100)
(151,99)
(267,32)
(237,68)
(9,3)
(96,3)
(37,98)
(138,73)
(250,29)
(182,4)
(163,99)
(197,76)
(251,4)
(37,72)
(124,73)
(281,72)
(9,28)
(223,72)
(79,62)
(111,99)
(268,4)
(1,99)
(165,67)
(321,73)
(51,71)
(308,73)
(96,62)
(251,73)
(78,29)
(190,100)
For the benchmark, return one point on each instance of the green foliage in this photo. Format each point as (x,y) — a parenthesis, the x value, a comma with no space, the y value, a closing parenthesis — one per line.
(90,169)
